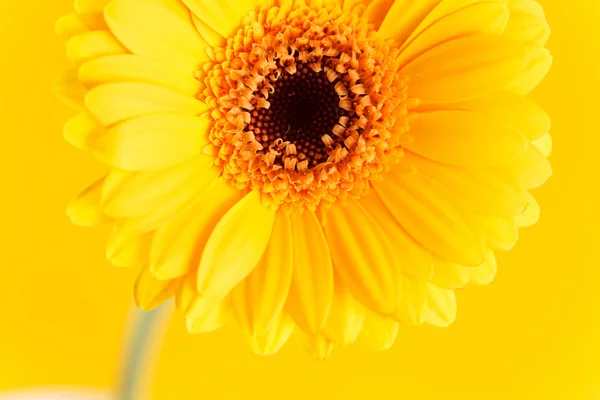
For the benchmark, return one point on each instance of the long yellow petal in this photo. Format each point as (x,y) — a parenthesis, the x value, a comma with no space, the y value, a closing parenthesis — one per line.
(531,170)
(536,69)
(379,331)
(88,6)
(412,309)
(69,26)
(133,68)
(499,233)
(235,246)
(482,18)
(149,292)
(484,273)
(346,317)
(83,129)
(482,191)
(178,246)
(442,306)
(85,210)
(362,255)
(212,13)
(130,252)
(207,314)
(94,44)
(404,17)
(433,215)
(413,259)
(160,31)
(259,299)
(448,275)
(311,291)
(530,215)
(70,90)
(116,102)
(465,68)
(274,338)
(468,139)
(527,22)
(153,141)
(317,345)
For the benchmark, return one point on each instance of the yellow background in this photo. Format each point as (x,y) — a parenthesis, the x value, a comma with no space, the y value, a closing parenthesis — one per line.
(532,334)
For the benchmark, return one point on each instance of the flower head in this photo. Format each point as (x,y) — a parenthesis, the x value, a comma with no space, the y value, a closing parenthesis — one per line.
(331,167)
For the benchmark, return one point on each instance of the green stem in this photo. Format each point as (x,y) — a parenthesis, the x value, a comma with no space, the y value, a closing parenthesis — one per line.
(139,352)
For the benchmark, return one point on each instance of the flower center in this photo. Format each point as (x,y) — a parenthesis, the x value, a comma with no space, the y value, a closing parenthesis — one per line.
(308,106)
(304,109)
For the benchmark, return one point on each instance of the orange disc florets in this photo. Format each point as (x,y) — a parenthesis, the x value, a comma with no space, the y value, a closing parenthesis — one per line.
(308,106)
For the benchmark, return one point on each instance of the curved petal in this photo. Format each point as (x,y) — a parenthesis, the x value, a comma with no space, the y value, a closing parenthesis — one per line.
(207,315)
(93,44)
(448,275)
(432,215)
(235,246)
(499,233)
(346,317)
(160,31)
(69,26)
(133,68)
(481,18)
(379,331)
(481,191)
(413,259)
(274,338)
(317,345)
(311,291)
(112,103)
(464,138)
(465,68)
(531,170)
(130,252)
(83,129)
(149,292)
(259,299)
(153,141)
(536,69)
(70,90)
(544,145)
(89,6)
(412,309)
(139,193)
(442,306)
(85,210)
(212,13)
(484,273)
(531,215)
(404,17)
(177,246)
(362,255)
(527,22)
(377,10)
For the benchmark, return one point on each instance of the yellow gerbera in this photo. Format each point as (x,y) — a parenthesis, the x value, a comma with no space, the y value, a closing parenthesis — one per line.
(333,167)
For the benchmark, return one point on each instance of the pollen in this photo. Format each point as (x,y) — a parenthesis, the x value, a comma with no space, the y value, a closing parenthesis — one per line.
(308,106)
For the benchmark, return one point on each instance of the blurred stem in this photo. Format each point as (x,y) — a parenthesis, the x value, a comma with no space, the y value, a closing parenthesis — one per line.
(141,352)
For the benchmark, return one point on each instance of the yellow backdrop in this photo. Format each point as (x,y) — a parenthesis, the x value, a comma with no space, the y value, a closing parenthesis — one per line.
(532,334)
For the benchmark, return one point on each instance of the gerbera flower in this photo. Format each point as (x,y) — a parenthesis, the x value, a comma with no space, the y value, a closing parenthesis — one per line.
(330,167)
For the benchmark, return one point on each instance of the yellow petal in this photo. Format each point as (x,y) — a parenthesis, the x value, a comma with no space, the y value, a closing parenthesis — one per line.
(81,129)
(140,193)
(153,141)
(483,18)
(132,68)
(527,22)
(212,13)
(531,170)
(484,273)
(185,292)
(464,138)
(130,252)
(311,291)
(149,292)
(161,31)
(274,338)
(69,26)
(235,246)
(536,69)
(85,210)
(178,245)
(317,346)
(442,306)
(379,331)
(413,259)
(207,314)
(209,35)
(519,112)
(259,299)
(480,190)
(465,68)
(362,255)
(544,145)
(70,90)
(94,44)
(499,233)
(116,102)
(87,6)
(404,17)
(377,10)
(433,215)
(531,214)
(448,275)
(176,205)
(346,317)
(412,309)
